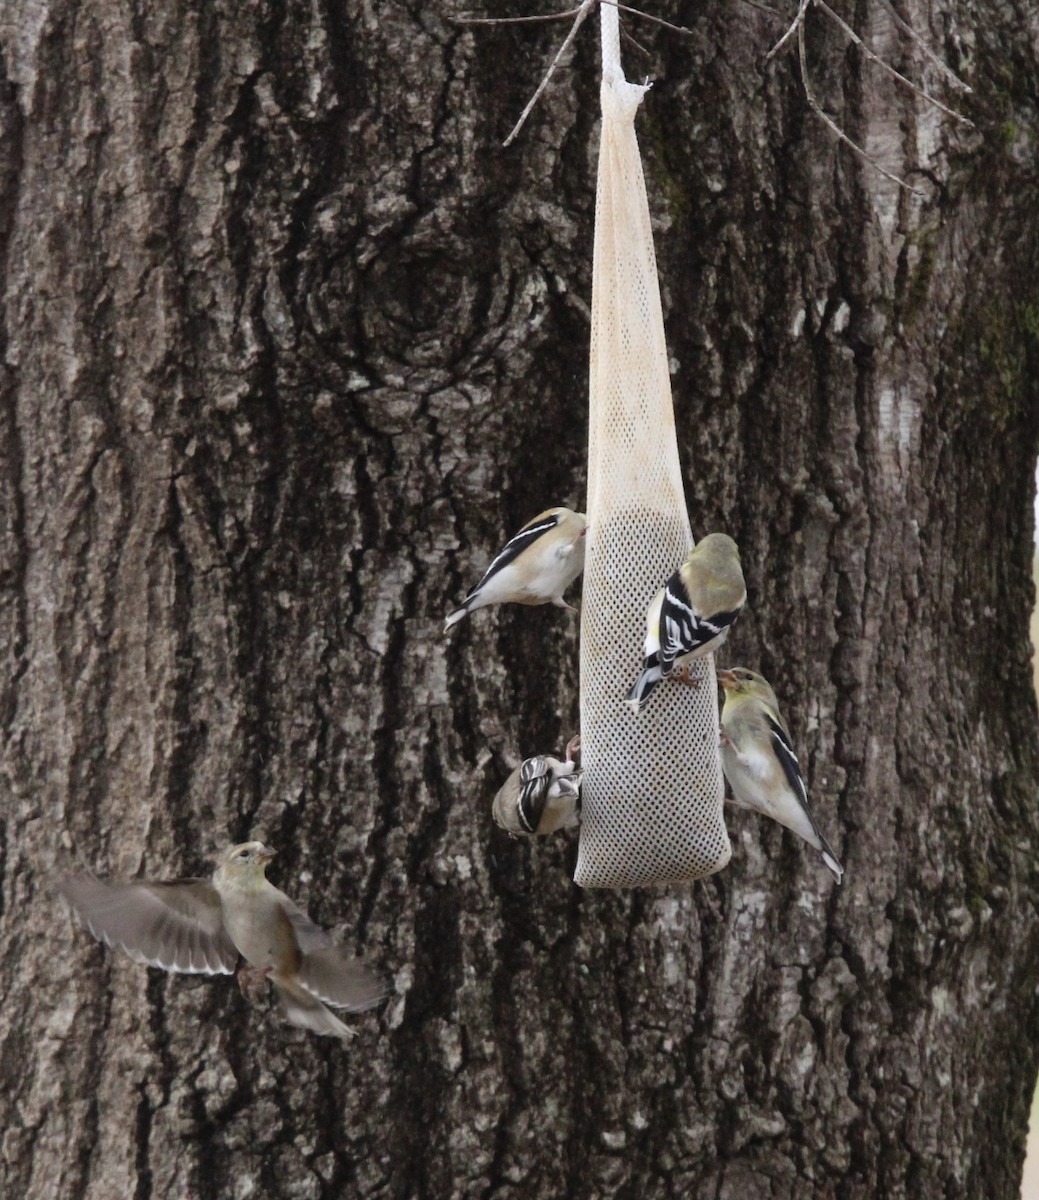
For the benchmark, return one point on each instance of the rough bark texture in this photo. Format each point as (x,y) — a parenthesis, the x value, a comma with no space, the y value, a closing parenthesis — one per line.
(288,344)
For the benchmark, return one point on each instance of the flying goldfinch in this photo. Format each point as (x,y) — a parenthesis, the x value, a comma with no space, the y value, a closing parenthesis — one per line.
(534,567)
(541,795)
(691,614)
(200,926)
(759,761)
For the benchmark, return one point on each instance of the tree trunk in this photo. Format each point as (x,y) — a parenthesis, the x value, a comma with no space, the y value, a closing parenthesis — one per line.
(289,345)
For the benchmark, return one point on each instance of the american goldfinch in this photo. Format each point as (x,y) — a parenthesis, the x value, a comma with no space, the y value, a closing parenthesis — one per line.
(541,795)
(759,761)
(202,926)
(534,567)
(691,614)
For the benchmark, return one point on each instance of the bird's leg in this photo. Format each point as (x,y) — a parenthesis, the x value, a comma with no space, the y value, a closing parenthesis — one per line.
(723,739)
(573,748)
(686,674)
(559,602)
(252,981)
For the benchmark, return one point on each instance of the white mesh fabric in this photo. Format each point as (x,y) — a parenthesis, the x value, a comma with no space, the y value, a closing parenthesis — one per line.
(652,790)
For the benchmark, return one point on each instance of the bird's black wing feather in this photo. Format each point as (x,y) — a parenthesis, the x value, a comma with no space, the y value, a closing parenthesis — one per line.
(788,760)
(681,630)
(535,781)
(514,547)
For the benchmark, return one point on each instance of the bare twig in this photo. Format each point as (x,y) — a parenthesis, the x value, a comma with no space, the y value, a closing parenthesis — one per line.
(582,12)
(467,19)
(637,12)
(764,8)
(887,67)
(945,69)
(798,21)
(638,45)
(831,124)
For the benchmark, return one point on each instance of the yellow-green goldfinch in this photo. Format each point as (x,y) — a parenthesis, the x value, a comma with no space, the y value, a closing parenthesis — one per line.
(541,795)
(691,614)
(759,761)
(534,567)
(202,926)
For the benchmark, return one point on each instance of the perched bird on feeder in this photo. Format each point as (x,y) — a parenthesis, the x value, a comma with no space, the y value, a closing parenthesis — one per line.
(759,761)
(201,926)
(691,614)
(534,567)
(541,795)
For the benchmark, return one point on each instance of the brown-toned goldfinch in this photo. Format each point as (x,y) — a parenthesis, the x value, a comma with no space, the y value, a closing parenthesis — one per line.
(202,926)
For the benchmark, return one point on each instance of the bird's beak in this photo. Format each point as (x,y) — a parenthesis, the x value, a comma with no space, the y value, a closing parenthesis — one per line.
(727,679)
(265,854)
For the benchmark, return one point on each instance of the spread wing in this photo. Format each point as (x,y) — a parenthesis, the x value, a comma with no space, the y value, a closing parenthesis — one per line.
(682,630)
(328,972)
(515,546)
(177,926)
(787,760)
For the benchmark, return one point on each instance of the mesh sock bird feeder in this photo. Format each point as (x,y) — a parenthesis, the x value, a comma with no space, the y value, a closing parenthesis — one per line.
(652,789)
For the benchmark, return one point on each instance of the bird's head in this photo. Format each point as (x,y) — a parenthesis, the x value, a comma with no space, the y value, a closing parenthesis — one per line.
(244,864)
(744,683)
(573,524)
(716,548)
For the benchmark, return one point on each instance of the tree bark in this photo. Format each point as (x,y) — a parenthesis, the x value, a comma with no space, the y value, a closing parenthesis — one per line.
(289,345)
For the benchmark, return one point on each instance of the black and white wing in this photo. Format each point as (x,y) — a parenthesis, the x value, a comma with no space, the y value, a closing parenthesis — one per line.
(535,781)
(176,925)
(682,631)
(792,770)
(788,760)
(515,546)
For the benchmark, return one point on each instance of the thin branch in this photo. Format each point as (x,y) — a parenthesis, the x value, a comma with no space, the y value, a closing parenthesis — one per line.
(582,12)
(638,45)
(467,19)
(637,12)
(887,67)
(764,8)
(798,21)
(906,28)
(817,108)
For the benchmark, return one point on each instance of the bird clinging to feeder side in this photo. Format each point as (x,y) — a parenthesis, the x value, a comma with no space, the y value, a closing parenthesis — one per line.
(201,926)
(542,795)
(534,567)
(691,615)
(759,761)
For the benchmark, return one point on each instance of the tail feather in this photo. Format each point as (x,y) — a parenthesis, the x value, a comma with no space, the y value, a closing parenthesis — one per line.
(831,860)
(643,687)
(454,617)
(300,1008)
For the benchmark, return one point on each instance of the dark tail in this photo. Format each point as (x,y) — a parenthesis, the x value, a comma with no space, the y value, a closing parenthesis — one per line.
(643,687)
